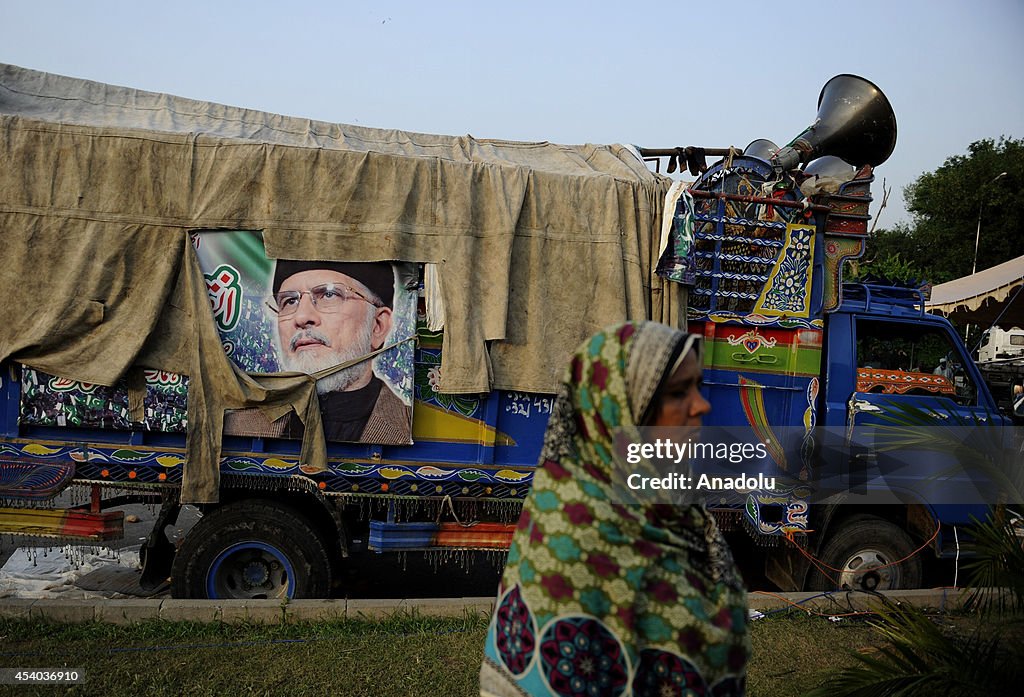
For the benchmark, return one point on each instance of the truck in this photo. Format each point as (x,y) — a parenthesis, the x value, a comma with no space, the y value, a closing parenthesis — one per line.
(1001,344)
(146,235)
(143,337)
(1000,357)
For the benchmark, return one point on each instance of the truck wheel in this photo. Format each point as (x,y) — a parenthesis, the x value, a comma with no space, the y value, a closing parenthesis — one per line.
(859,547)
(250,550)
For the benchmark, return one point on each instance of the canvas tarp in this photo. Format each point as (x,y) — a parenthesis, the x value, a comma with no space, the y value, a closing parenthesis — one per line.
(538,245)
(983,297)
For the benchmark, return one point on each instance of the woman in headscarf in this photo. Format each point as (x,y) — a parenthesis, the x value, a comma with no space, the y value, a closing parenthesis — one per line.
(600,597)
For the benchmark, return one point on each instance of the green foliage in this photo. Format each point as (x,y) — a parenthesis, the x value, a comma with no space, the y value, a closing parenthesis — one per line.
(400,624)
(890,267)
(998,562)
(402,655)
(938,245)
(794,651)
(893,254)
(946,204)
(922,659)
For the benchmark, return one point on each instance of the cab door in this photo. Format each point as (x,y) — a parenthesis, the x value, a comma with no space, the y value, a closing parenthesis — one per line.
(921,428)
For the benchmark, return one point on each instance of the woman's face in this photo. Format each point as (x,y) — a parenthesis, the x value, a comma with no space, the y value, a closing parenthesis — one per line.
(679,401)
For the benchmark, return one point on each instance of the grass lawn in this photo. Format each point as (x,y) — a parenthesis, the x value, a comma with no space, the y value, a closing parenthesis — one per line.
(796,652)
(402,655)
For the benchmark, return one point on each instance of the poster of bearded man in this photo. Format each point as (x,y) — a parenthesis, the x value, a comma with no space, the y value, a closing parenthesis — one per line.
(346,321)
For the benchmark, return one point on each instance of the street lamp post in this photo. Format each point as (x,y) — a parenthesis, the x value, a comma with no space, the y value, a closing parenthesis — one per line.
(981,205)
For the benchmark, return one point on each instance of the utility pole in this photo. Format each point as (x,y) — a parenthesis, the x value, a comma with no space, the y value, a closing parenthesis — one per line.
(981,205)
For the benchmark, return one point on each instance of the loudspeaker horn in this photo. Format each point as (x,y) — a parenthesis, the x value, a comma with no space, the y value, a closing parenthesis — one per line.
(855,122)
(762,149)
(831,166)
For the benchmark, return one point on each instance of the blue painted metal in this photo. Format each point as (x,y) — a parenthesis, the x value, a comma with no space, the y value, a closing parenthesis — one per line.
(757,396)
(398,536)
(435,466)
(10,400)
(883,300)
(499,466)
(30,480)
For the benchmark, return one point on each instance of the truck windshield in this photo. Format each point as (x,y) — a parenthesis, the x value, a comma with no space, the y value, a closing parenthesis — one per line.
(906,358)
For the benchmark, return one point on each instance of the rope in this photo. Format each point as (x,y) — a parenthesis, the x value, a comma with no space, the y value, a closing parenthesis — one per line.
(451,507)
(821,566)
(797,605)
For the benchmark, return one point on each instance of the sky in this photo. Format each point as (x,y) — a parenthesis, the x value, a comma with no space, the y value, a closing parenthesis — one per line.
(652,74)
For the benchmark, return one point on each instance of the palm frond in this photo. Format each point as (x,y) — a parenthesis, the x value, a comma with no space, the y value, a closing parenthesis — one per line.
(921,659)
(997,564)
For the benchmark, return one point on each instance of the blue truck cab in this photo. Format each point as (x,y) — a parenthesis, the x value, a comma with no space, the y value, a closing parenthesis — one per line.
(882,436)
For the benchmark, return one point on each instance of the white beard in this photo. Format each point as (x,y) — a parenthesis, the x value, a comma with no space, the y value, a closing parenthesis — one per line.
(307,362)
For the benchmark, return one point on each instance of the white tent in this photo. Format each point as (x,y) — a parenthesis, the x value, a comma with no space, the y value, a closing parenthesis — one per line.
(984,297)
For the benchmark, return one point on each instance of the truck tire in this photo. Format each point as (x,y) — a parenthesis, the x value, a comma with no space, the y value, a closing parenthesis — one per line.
(251,550)
(860,545)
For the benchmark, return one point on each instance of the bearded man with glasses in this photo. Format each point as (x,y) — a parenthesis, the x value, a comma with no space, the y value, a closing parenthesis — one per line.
(329,314)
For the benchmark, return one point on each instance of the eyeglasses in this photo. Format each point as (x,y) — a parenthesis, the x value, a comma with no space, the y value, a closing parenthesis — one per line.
(328,297)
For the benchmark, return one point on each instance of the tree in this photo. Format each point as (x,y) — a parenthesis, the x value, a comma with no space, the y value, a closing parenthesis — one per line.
(938,245)
(947,203)
(893,256)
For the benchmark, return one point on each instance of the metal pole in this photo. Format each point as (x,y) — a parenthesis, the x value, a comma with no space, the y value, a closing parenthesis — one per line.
(977,239)
(666,152)
(981,205)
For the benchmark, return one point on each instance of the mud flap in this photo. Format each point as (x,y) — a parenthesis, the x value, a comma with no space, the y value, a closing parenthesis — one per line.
(157,552)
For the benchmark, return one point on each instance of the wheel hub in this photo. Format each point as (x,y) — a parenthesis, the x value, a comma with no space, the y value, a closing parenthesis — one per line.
(255,573)
(868,570)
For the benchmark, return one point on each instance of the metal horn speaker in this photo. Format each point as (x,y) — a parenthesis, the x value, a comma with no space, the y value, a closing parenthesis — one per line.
(855,122)
(831,166)
(762,149)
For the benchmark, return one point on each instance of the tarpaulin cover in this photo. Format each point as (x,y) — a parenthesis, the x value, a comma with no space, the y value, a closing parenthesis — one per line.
(983,297)
(538,245)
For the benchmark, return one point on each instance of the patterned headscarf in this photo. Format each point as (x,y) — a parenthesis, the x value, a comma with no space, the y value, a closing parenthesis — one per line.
(599,597)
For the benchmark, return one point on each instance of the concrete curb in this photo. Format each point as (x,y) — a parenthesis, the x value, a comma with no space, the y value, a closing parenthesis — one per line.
(132,610)
(942,599)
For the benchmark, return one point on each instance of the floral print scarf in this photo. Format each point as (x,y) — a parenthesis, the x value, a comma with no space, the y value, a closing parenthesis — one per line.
(600,598)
